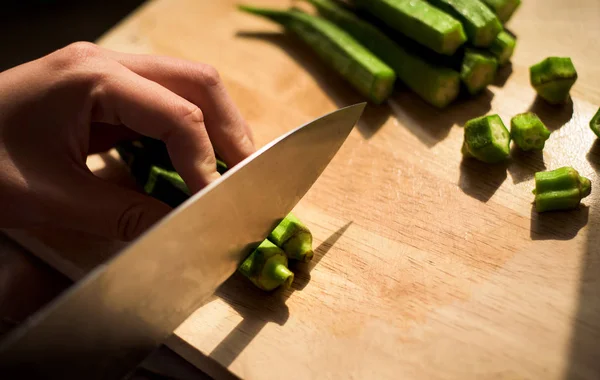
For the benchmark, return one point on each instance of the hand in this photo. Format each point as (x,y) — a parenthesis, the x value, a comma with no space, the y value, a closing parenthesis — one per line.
(55,110)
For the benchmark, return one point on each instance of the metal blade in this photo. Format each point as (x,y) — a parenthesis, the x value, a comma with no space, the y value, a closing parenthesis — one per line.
(111,320)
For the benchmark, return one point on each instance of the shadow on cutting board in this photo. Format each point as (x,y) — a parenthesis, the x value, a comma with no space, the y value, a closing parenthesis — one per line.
(593,155)
(431,125)
(562,225)
(502,75)
(336,87)
(523,165)
(258,308)
(480,180)
(584,355)
(554,116)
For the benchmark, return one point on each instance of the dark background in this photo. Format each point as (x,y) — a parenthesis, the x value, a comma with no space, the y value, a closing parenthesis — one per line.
(30,29)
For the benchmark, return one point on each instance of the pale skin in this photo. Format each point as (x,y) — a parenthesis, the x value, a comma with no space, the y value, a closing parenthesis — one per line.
(82,99)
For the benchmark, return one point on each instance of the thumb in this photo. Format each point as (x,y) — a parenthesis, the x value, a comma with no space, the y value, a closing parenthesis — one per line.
(108,210)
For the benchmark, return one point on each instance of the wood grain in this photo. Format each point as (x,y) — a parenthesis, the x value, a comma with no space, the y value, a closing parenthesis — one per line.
(426,266)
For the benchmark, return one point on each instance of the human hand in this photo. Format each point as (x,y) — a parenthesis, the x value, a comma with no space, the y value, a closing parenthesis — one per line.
(55,110)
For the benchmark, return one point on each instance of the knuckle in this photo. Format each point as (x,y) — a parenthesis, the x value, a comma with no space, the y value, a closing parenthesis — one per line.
(77,53)
(80,62)
(210,75)
(84,49)
(193,114)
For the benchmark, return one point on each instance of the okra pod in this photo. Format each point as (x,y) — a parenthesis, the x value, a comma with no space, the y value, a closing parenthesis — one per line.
(486,139)
(361,68)
(560,189)
(478,70)
(528,131)
(553,78)
(503,8)
(503,47)
(267,267)
(420,21)
(436,85)
(476,67)
(595,123)
(294,238)
(166,186)
(480,23)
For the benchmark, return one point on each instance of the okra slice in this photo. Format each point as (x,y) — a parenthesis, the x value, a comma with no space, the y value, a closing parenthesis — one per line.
(553,78)
(166,186)
(486,139)
(560,189)
(361,68)
(267,267)
(478,70)
(480,23)
(437,85)
(503,47)
(528,131)
(420,21)
(503,8)
(294,238)
(595,123)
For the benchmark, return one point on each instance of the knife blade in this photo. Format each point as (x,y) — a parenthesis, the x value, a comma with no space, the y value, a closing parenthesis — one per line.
(107,323)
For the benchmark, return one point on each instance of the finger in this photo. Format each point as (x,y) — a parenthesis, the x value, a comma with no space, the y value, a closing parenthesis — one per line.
(104,137)
(200,84)
(150,109)
(102,208)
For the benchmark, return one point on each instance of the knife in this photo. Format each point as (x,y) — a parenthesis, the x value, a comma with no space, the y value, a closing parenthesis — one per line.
(107,323)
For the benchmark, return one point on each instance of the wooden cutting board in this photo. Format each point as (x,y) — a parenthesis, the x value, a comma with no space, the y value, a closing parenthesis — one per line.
(426,266)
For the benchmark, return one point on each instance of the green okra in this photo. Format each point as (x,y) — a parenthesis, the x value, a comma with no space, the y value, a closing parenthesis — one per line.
(294,238)
(361,68)
(267,267)
(528,131)
(477,68)
(553,78)
(486,139)
(480,23)
(560,189)
(595,123)
(136,159)
(503,8)
(166,186)
(435,84)
(503,47)
(221,166)
(420,21)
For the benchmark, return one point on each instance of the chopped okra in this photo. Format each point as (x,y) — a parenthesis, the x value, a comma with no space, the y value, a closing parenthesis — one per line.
(560,189)
(294,238)
(166,186)
(267,267)
(503,47)
(553,78)
(478,70)
(503,8)
(595,123)
(486,139)
(528,131)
